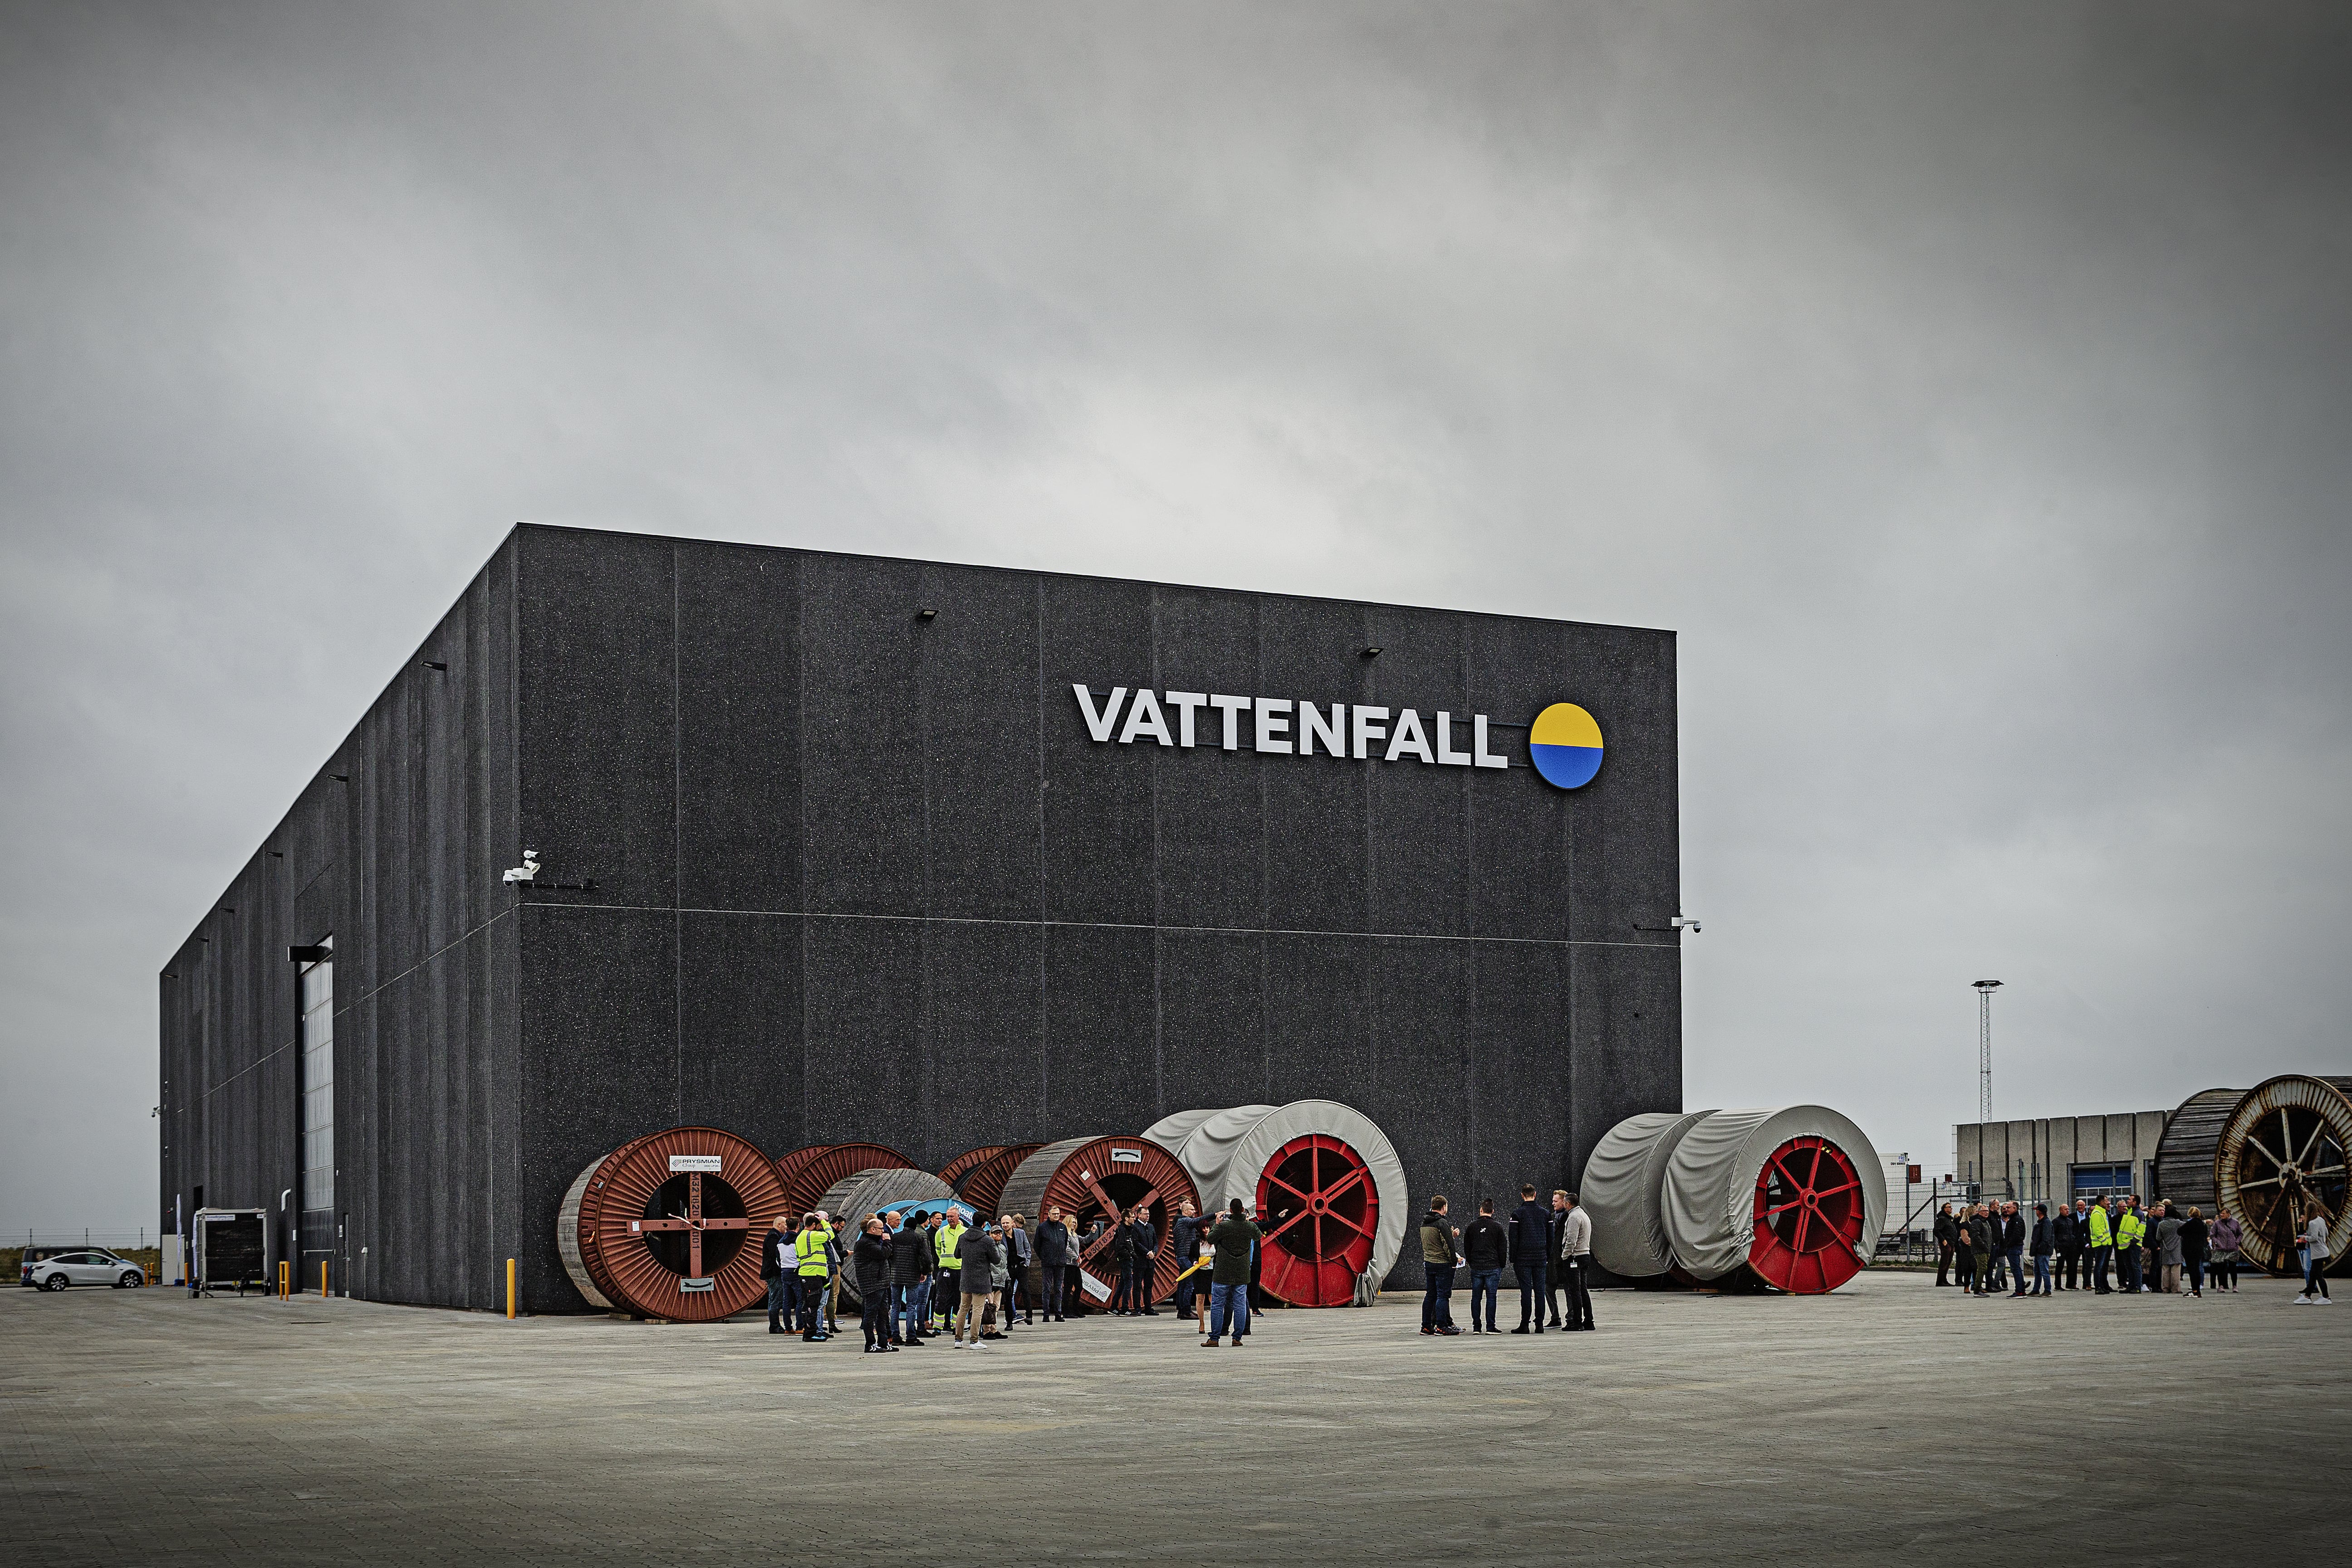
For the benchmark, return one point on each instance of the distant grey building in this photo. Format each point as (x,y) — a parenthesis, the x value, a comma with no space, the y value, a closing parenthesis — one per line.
(838,848)
(2060,1158)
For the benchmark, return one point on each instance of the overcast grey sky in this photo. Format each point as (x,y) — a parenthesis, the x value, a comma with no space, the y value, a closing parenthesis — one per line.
(1970,386)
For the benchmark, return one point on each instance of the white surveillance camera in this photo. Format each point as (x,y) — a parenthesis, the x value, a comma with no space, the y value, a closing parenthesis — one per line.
(1679,923)
(525,872)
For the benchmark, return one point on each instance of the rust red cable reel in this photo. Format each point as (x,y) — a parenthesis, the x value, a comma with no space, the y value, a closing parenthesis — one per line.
(1101,1178)
(875,1192)
(804,1174)
(667,1226)
(978,1175)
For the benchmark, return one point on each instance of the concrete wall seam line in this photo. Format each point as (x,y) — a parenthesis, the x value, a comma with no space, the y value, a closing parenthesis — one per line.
(1104,925)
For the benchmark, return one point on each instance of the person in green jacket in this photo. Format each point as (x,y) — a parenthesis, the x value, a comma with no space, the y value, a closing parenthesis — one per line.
(2103,1246)
(946,1297)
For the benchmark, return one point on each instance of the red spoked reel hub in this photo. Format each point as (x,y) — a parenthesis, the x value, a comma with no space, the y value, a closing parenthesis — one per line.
(807,1175)
(1322,1212)
(1809,1217)
(667,1226)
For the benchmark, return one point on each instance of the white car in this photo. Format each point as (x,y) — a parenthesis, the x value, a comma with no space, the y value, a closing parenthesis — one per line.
(95,1267)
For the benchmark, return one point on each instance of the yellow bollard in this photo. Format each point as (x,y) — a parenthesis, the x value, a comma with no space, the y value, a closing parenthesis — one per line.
(285,1278)
(511,1291)
(322,1277)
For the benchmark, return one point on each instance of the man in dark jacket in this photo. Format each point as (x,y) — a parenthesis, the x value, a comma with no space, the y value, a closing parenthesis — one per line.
(2012,1247)
(910,1265)
(1188,1252)
(2042,1245)
(772,1269)
(1531,1228)
(2066,1246)
(1147,1266)
(1053,1243)
(870,1269)
(1947,1231)
(976,1250)
(1236,1240)
(1486,1248)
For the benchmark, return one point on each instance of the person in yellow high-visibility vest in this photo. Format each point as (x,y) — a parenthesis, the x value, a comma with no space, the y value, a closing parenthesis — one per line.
(2129,1230)
(2103,1244)
(947,1296)
(812,1257)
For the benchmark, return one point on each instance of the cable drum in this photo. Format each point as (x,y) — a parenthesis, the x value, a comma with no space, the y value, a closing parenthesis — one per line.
(2187,1169)
(1792,1192)
(978,1175)
(806,1173)
(1099,1178)
(2284,1148)
(852,1198)
(661,1227)
(1324,1175)
(1623,1186)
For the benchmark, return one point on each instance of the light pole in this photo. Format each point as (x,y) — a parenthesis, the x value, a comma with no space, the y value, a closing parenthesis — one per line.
(1985,988)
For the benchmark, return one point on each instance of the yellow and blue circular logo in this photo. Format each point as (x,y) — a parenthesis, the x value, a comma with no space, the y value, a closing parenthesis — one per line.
(1565,745)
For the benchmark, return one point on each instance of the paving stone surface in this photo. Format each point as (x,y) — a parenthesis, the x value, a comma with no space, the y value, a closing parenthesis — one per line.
(1892,1420)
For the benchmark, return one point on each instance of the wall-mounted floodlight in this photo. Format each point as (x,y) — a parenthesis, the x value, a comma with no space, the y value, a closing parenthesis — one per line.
(925,615)
(1371,653)
(433,664)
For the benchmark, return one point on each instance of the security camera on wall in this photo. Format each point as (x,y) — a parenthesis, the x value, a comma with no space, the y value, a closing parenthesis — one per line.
(528,870)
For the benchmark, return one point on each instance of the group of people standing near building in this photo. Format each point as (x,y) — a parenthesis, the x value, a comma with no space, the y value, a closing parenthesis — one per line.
(1986,1248)
(925,1273)
(1548,1247)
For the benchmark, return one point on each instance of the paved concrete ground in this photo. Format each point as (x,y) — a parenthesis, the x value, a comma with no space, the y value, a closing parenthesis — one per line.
(1891,1419)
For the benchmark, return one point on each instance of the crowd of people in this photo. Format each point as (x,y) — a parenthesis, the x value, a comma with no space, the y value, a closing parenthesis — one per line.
(1985,1249)
(928,1273)
(1548,1247)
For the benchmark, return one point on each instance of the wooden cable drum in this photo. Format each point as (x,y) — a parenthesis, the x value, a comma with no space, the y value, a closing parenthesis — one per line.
(1099,1178)
(806,1173)
(852,1198)
(2186,1168)
(2283,1150)
(978,1175)
(664,1226)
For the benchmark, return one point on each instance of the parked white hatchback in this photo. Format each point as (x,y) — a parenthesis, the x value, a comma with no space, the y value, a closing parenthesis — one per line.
(95,1267)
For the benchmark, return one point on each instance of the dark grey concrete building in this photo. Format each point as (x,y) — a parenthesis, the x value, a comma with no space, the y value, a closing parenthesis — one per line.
(831,850)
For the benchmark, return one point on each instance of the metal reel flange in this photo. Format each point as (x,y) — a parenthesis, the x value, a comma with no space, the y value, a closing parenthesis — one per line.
(663,1226)
(1091,1179)
(1322,1209)
(1809,1217)
(978,1175)
(806,1173)
(2282,1150)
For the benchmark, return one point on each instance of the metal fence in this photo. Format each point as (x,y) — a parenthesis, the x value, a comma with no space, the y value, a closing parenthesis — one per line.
(114,1240)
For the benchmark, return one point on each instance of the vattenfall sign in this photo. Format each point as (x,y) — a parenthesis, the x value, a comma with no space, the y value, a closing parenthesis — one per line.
(1563,743)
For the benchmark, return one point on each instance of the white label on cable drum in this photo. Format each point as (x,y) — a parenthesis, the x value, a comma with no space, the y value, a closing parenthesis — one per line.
(1094,1287)
(705,1163)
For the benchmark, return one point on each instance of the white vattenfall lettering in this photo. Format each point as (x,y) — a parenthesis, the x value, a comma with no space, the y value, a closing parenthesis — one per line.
(1446,754)
(1187,704)
(1407,737)
(1098,724)
(1143,719)
(1286,726)
(1232,708)
(1273,724)
(1312,728)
